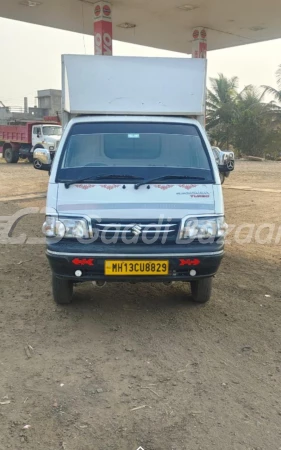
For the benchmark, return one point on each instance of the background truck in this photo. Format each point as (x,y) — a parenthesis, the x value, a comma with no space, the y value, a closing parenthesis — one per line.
(20,141)
(225,161)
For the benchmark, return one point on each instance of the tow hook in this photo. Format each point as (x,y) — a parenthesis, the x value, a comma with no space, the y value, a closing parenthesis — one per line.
(99,284)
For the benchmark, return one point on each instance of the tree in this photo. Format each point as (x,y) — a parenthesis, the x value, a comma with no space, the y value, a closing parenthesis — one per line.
(221,109)
(276,93)
(252,124)
(276,107)
(243,119)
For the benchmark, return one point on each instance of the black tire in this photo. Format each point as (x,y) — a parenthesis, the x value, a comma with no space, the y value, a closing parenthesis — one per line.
(16,156)
(30,159)
(62,290)
(201,290)
(11,156)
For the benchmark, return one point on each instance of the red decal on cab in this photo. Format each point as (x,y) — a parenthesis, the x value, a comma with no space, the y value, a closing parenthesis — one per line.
(85,186)
(187,186)
(163,187)
(109,187)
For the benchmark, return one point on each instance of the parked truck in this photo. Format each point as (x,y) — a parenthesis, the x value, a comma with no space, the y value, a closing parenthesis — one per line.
(225,161)
(20,141)
(134,192)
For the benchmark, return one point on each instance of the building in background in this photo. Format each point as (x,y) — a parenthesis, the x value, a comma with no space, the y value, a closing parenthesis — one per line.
(49,105)
(49,101)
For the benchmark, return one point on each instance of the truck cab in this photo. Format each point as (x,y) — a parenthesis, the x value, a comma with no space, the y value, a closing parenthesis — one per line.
(45,136)
(225,161)
(134,192)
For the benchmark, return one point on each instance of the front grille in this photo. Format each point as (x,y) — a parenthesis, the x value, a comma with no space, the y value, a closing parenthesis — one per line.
(136,232)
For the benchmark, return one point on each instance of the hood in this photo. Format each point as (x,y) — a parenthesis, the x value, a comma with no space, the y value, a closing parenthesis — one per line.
(52,138)
(113,201)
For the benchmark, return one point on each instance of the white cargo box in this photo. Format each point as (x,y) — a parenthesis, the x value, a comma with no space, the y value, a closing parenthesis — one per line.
(129,85)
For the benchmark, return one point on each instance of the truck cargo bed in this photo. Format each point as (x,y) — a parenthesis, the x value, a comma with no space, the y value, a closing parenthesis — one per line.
(16,133)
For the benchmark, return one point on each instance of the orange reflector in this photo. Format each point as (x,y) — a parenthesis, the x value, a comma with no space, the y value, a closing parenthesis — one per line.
(83,262)
(189,262)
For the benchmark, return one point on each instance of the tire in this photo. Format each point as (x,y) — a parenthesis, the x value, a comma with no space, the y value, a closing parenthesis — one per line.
(37,164)
(222,177)
(201,290)
(62,290)
(11,156)
(30,158)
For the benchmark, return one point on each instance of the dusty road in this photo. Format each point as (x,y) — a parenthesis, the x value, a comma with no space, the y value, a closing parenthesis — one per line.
(139,365)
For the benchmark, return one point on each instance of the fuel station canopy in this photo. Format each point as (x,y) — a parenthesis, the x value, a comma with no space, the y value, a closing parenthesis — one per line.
(164,24)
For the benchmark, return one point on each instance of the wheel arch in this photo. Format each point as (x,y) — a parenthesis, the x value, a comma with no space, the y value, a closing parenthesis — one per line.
(37,146)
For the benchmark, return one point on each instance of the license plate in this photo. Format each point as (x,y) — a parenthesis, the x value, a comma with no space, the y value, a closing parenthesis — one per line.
(136,268)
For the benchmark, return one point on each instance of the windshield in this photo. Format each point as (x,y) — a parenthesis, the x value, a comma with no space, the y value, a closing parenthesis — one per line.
(216,152)
(52,131)
(141,149)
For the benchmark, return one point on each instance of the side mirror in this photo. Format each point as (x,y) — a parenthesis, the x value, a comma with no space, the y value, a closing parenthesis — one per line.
(42,159)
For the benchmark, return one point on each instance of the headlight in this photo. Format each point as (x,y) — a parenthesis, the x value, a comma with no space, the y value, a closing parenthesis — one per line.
(228,156)
(49,226)
(52,148)
(66,227)
(203,228)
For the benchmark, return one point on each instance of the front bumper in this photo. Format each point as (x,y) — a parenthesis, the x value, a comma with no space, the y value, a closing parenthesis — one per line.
(225,169)
(206,263)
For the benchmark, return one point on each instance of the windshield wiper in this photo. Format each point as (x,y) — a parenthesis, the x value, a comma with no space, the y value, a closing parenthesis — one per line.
(102,177)
(168,177)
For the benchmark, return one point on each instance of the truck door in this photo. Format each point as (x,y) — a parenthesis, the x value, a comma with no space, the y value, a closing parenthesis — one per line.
(37,136)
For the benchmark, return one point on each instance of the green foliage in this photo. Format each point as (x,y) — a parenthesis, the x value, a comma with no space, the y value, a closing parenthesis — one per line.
(273,145)
(275,93)
(221,109)
(252,123)
(242,119)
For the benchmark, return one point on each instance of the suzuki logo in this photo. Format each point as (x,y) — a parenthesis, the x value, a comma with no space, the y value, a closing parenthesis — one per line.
(136,230)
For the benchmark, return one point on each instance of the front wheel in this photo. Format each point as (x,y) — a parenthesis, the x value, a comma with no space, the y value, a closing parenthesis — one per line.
(201,290)
(62,290)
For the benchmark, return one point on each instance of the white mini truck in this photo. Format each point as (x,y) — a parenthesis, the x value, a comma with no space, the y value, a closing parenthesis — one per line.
(134,192)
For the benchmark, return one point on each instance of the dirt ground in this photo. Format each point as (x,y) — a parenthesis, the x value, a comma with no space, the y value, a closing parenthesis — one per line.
(140,365)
